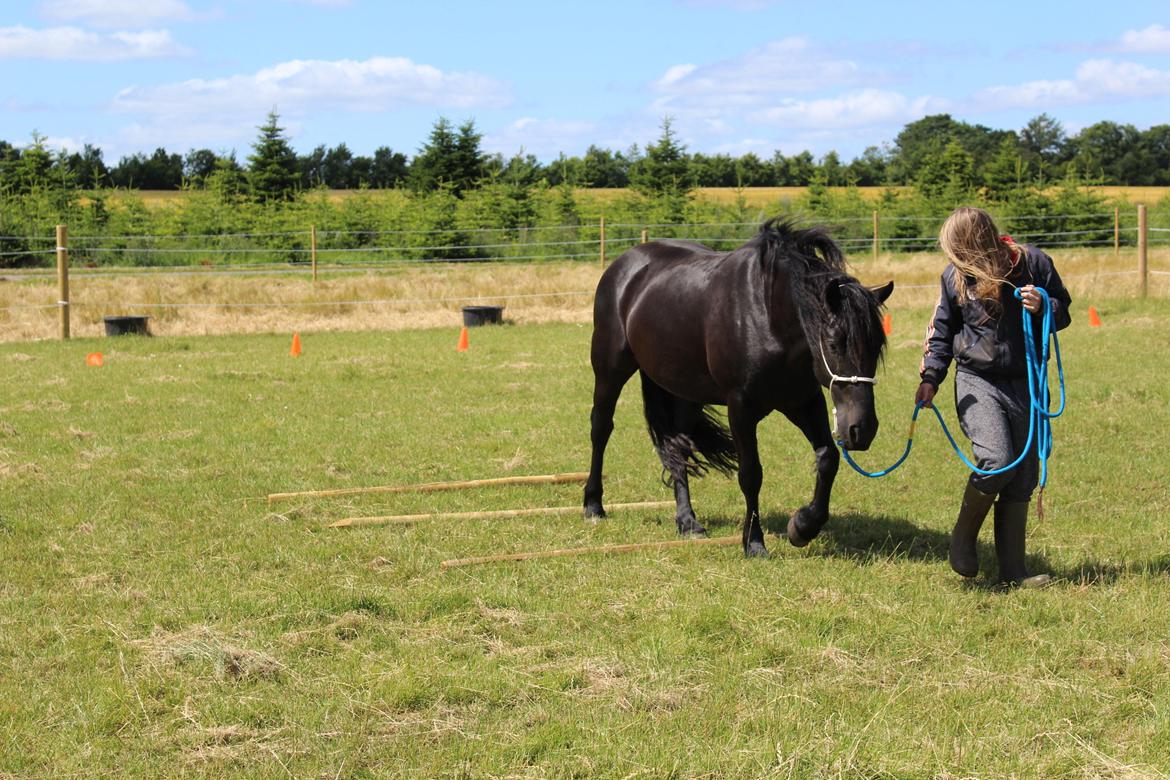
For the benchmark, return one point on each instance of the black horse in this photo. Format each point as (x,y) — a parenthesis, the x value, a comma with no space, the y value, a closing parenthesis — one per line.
(759,328)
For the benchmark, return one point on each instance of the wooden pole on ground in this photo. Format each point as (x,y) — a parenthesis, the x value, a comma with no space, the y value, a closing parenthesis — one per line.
(490,514)
(602,226)
(1143,270)
(431,487)
(313,249)
(719,541)
(63,279)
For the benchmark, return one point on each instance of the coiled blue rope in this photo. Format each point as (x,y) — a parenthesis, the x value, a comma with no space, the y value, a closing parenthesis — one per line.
(1039,416)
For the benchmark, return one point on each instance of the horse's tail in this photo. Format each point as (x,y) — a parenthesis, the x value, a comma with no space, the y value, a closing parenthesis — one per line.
(705,445)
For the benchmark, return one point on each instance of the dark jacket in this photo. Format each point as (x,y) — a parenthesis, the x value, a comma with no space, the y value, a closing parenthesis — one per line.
(991,346)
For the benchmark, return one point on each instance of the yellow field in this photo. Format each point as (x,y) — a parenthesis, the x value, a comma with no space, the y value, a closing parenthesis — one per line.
(1146,195)
(754,196)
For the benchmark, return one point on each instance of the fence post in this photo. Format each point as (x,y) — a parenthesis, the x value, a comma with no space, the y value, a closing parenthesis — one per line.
(602,225)
(645,235)
(63,279)
(1116,232)
(313,249)
(1143,274)
(875,235)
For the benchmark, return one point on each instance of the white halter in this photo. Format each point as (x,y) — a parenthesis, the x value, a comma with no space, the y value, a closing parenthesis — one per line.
(869,380)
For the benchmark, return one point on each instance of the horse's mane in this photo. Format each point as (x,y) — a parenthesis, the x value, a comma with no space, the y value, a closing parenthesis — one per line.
(812,261)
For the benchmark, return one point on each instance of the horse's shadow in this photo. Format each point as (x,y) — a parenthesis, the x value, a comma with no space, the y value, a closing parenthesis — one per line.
(866,539)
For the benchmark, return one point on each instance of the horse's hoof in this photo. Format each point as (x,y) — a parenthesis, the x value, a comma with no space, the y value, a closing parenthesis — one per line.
(594,513)
(690,529)
(755,550)
(794,537)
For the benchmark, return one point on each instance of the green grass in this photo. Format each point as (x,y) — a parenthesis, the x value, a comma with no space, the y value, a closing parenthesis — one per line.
(159,619)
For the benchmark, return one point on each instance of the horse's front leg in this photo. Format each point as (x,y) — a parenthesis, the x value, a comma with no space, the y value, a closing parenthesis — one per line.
(742,421)
(807,522)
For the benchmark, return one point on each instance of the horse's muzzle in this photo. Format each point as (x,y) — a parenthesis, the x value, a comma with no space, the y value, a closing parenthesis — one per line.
(858,435)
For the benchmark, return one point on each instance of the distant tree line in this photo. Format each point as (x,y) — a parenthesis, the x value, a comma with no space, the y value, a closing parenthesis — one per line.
(450,192)
(925,153)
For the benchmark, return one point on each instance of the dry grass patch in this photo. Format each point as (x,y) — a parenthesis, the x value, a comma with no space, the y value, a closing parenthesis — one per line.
(9,469)
(399,298)
(431,296)
(346,628)
(200,646)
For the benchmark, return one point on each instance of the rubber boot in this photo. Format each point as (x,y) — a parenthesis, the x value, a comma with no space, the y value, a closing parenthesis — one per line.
(1011,519)
(964,556)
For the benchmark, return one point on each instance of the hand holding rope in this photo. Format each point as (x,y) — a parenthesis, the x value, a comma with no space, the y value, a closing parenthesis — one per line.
(1039,416)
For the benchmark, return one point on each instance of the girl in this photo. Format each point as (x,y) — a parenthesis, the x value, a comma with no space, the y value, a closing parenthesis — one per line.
(978,324)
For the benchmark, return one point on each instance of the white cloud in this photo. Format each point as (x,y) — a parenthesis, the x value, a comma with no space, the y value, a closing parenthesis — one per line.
(674,74)
(1153,39)
(545,138)
(71,43)
(790,87)
(1030,94)
(1106,78)
(217,133)
(373,85)
(786,65)
(116,13)
(213,112)
(864,108)
(63,144)
(1094,81)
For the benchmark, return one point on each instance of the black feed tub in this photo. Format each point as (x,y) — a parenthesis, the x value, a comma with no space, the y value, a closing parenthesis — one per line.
(482,315)
(126,326)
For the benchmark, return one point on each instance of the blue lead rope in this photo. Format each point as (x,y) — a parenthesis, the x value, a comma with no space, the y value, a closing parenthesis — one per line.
(1039,416)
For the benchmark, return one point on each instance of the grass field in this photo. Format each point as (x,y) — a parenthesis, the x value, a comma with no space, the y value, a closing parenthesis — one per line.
(159,619)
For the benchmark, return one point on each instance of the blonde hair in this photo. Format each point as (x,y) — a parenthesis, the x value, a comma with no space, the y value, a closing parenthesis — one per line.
(983,260)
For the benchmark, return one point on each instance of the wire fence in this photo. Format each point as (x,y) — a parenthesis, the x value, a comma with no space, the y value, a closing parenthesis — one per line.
(365,249)
(339,252)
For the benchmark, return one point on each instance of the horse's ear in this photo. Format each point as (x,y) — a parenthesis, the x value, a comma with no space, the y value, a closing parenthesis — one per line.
(883,292)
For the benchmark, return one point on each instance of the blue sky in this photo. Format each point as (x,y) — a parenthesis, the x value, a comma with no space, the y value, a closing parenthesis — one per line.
(546,77)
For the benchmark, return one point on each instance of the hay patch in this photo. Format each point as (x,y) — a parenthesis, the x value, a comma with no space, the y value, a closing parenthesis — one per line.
(201,648)
(9,469)
(348,627)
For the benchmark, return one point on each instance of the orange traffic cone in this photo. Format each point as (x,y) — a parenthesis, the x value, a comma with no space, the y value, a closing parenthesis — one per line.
(95,359)
(295,351)
(463,342)
(1094,319)
(887,324)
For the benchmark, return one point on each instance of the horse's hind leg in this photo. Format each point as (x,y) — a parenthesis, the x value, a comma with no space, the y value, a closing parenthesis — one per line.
(807,522)
(686,417)
(743,421)
(673,422)
(611,370)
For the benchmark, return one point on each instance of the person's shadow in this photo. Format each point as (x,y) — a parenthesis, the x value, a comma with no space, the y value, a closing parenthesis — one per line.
(865,539)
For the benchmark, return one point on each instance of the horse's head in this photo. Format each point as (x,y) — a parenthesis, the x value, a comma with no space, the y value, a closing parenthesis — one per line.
(845,360)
